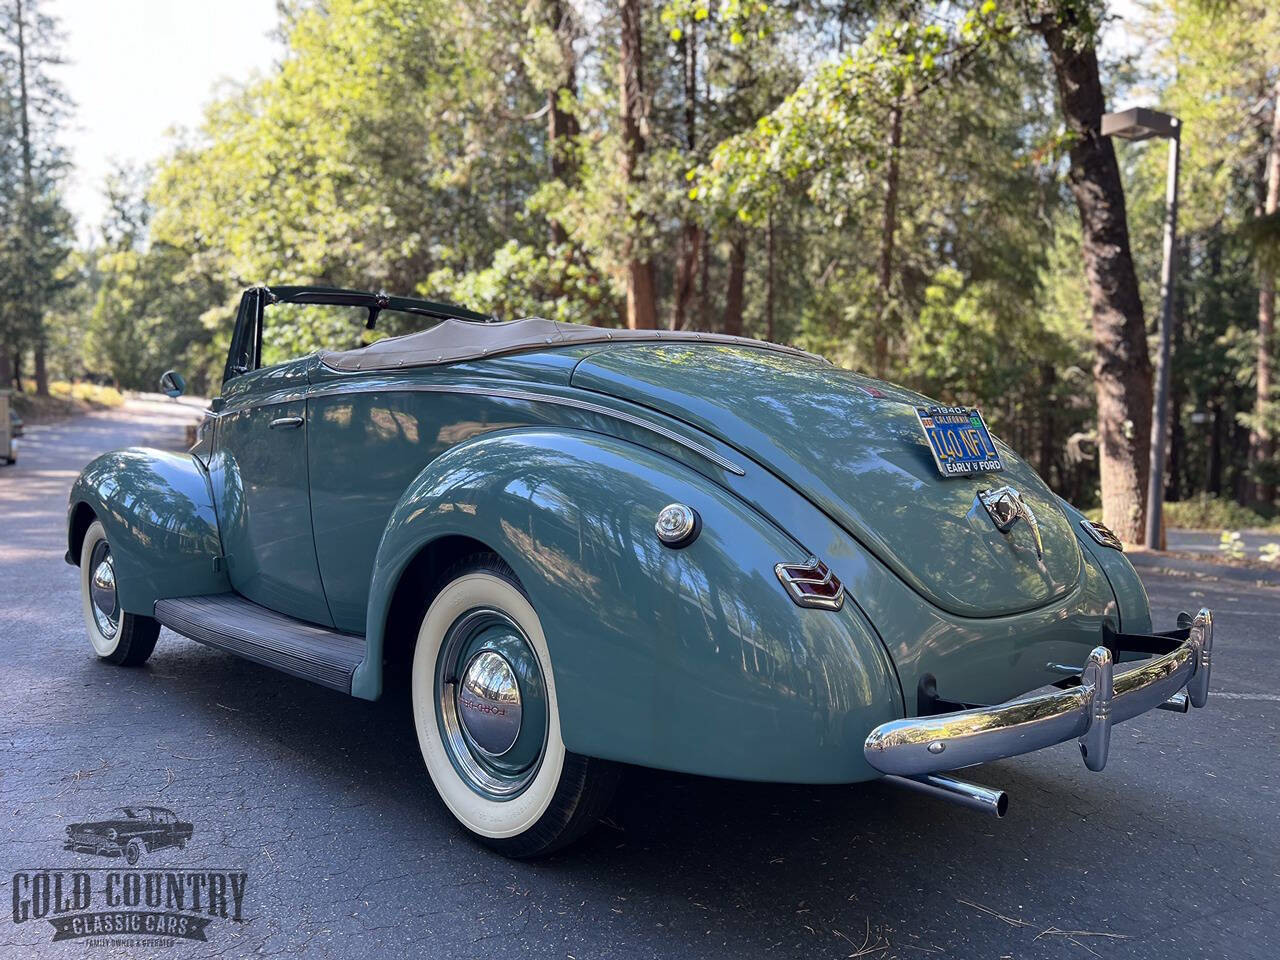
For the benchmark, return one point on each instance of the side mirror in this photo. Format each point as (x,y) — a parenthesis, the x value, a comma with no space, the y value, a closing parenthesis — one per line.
(172,384)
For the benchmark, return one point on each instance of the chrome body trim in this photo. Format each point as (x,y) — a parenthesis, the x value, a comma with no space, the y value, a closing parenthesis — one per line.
(916,746)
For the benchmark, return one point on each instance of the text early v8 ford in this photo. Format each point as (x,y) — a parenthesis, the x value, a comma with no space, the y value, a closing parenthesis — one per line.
(582,546)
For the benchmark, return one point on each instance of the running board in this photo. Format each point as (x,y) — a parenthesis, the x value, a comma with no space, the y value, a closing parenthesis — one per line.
(229,622)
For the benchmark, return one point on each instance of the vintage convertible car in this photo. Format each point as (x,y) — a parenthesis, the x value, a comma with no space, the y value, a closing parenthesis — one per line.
(129,832)
(582,547)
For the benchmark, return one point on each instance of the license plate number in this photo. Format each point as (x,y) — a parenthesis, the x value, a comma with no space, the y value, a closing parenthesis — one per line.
(959,440)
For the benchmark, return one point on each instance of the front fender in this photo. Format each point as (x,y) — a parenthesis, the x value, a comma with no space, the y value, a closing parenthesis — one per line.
(694,659)
(157,509)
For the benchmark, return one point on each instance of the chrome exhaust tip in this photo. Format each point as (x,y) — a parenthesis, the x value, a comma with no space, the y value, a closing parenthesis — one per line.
(972,795)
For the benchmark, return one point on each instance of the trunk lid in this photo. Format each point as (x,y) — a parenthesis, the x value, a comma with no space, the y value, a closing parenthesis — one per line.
(854,447)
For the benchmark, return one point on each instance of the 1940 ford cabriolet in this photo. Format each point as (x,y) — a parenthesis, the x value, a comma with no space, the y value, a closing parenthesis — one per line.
(582,546)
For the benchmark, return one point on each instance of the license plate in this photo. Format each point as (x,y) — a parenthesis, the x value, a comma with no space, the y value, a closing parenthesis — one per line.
(958,440)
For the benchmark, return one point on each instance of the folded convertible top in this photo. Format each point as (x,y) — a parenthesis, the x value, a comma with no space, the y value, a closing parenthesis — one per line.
(455,340)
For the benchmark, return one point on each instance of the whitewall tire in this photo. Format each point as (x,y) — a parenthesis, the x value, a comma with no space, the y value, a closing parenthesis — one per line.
(125,639)
(487,718)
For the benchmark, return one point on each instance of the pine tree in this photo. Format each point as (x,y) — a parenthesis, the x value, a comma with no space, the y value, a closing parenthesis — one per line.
(37,230)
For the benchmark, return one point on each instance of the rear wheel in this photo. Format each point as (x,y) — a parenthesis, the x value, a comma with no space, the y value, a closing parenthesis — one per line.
(484,704)
(125,639)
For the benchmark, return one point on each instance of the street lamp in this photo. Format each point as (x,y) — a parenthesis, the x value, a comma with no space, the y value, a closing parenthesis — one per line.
(1142,124)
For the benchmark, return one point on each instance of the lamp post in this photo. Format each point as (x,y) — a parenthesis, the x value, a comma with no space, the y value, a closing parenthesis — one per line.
(1142,124)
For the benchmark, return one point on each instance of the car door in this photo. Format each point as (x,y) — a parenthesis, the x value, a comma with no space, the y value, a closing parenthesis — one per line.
(258,470)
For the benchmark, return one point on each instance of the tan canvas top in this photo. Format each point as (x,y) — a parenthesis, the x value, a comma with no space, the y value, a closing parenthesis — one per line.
(454,340)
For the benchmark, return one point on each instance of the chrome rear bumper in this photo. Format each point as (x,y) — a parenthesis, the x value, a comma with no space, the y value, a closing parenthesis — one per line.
(916,746)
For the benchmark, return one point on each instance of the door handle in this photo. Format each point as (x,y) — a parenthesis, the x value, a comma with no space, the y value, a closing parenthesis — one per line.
(286,423)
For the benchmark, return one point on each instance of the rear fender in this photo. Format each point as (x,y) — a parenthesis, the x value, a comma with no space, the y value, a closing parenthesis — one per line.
(1134,608)
(692,659)
(157,509)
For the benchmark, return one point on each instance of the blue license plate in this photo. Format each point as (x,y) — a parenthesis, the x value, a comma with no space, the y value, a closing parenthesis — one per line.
(958,440)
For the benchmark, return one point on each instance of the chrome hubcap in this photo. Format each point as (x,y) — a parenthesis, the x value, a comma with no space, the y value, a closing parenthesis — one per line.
(491,702)
(102,590)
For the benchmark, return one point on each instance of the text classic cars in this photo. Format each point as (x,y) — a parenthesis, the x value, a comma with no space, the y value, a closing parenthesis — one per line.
(584,547)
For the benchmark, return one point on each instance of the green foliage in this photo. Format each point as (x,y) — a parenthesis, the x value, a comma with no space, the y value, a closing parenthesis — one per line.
(35,230)
(1231,545)
(1217,68)
(1207,512)
(831,131)
(149,308)
(405,145)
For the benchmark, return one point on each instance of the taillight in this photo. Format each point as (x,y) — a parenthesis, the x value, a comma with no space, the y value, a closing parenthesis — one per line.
(1102,534)
(811,584)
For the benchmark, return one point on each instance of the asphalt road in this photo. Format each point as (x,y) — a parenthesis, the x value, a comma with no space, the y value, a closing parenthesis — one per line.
(1204,541)
(1172,852)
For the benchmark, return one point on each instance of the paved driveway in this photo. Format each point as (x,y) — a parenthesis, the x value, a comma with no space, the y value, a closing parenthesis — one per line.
(1173,851)
(1206,541)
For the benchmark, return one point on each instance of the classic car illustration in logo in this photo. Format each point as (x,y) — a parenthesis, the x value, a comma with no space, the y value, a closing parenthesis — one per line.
(129,832)
(585,547)
(129,906)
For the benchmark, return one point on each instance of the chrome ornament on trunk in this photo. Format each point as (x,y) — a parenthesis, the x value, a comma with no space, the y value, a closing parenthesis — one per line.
(1006,507)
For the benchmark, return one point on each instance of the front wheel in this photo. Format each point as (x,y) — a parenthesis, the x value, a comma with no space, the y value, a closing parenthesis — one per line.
(484,704)
(125,639)
(133,852)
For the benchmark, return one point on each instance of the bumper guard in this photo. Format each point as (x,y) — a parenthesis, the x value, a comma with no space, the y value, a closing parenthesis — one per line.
(1101,695)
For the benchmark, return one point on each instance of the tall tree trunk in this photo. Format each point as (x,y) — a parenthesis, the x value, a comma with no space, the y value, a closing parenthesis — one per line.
(1261,443)
(42,369)
(6,368)
(1213,466)
(769,286)
(1121,368)
(28,303)
(1048,438)
(562,123)
(733,300)
(888,234)
(703,307)
(642,313)
(1176,465)
(1238,439)
(690,233)
(687,274)
(1177,445)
